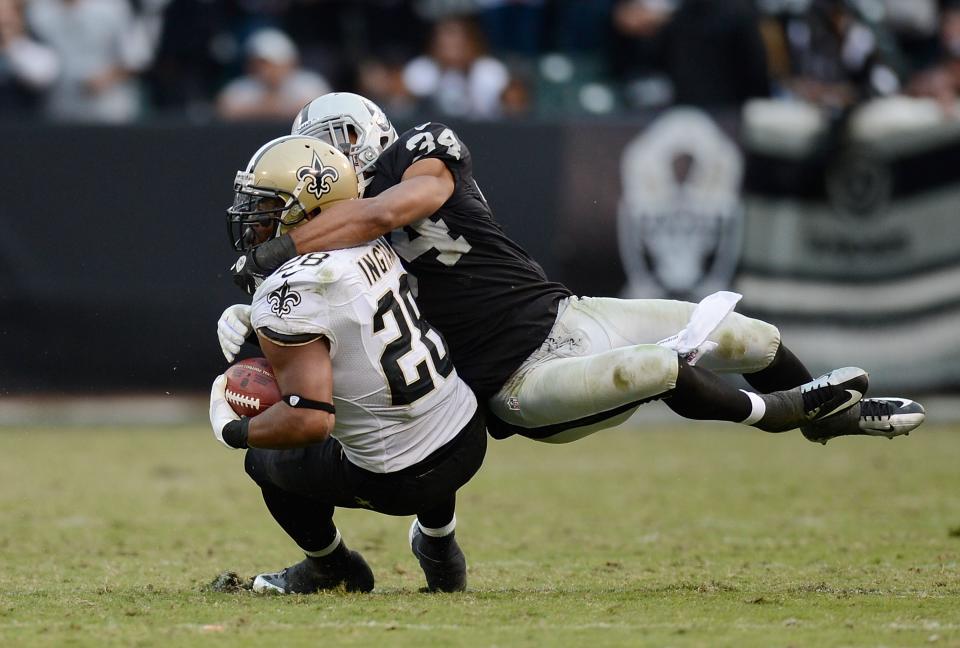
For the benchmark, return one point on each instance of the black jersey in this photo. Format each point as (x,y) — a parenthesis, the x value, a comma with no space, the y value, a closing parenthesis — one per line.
(492,302)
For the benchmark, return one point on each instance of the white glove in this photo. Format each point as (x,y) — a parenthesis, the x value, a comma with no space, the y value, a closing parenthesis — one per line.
(691,343)
(232,329)
(220,411)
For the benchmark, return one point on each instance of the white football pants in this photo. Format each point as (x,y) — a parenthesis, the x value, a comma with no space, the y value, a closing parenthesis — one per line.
(601,356)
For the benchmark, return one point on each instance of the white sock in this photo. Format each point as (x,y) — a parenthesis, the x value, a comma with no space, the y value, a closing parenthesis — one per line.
(326,551)
(442,531)
(759,408)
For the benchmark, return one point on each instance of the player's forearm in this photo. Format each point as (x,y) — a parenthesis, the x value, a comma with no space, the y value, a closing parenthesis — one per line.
(333,229)
(343,225)
(282,426)
(353,222)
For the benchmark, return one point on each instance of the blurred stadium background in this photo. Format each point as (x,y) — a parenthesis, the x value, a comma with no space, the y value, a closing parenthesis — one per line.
(803,152)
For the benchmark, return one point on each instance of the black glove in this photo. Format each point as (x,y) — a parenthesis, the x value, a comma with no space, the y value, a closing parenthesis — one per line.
(259,263)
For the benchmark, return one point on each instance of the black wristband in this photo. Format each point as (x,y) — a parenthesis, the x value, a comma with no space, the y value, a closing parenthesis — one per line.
(274,253)
(235,432)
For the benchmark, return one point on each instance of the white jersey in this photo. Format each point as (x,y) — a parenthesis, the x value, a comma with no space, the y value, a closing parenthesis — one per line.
(397,395)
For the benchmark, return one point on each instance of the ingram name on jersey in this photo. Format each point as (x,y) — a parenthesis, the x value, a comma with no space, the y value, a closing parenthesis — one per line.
(492,302)
(397,395)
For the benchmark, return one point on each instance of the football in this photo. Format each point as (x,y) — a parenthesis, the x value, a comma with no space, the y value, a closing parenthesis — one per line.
(251,387)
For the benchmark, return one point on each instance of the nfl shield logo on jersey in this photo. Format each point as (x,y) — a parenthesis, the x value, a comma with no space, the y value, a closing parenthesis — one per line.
(680,214)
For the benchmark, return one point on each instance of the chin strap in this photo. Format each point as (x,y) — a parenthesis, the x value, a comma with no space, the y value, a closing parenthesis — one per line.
(365,180)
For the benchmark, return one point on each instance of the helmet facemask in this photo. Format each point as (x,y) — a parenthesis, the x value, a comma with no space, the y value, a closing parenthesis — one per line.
(288,181)
(259,214)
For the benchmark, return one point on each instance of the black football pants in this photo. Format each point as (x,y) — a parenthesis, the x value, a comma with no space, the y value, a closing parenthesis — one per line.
(302,486)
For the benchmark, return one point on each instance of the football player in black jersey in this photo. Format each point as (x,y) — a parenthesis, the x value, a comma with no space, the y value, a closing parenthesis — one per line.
(550,366)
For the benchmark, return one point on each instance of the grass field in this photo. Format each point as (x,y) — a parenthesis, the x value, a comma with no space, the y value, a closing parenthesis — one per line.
(699,536)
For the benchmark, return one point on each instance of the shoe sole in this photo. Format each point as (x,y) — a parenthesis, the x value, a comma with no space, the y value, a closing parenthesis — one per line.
(906,424)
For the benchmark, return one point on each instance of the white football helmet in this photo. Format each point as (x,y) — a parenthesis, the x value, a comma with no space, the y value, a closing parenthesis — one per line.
(351,123)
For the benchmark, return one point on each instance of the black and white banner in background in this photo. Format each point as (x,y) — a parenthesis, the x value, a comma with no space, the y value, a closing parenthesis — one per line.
(855,253)
(851,247)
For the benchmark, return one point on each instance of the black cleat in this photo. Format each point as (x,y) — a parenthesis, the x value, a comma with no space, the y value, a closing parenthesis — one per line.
(833,393)
(441,559)
(821,398)
(886,417)
(346,568)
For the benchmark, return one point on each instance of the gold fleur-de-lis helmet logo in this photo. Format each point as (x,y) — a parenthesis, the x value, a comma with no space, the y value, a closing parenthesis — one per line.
(317,179)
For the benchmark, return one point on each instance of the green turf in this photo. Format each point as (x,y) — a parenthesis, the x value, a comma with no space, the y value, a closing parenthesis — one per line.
(702,536)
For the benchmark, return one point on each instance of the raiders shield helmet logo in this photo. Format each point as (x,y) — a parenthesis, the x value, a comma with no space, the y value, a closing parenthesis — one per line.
(680,213)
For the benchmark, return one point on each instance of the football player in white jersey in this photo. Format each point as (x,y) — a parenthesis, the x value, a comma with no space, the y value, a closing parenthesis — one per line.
(373,414)
(550,365)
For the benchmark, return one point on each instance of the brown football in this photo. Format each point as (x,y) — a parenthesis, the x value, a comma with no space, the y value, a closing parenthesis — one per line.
(251,387)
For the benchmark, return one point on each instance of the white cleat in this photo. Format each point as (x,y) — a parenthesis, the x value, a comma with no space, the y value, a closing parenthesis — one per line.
(890,417)
(885,417)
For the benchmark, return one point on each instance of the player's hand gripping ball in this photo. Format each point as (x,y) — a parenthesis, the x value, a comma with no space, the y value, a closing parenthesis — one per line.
(251,387)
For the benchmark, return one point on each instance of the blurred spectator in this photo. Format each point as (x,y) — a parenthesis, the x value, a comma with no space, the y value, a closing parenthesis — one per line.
(274,88)
(516,99)
(381,79)
(581,26)
(101,47)
(711,52)
(637,57)
(708,53)
(27,67)
(915,24)
(335,35)
(643,18)
(191,56)
(263,12)
(941,81)
(513,26)
(456,76)
(574,75)
(715,55)
(434,10)
(837,56)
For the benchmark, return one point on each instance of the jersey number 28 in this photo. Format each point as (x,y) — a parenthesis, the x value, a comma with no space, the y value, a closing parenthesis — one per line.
(405,315)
